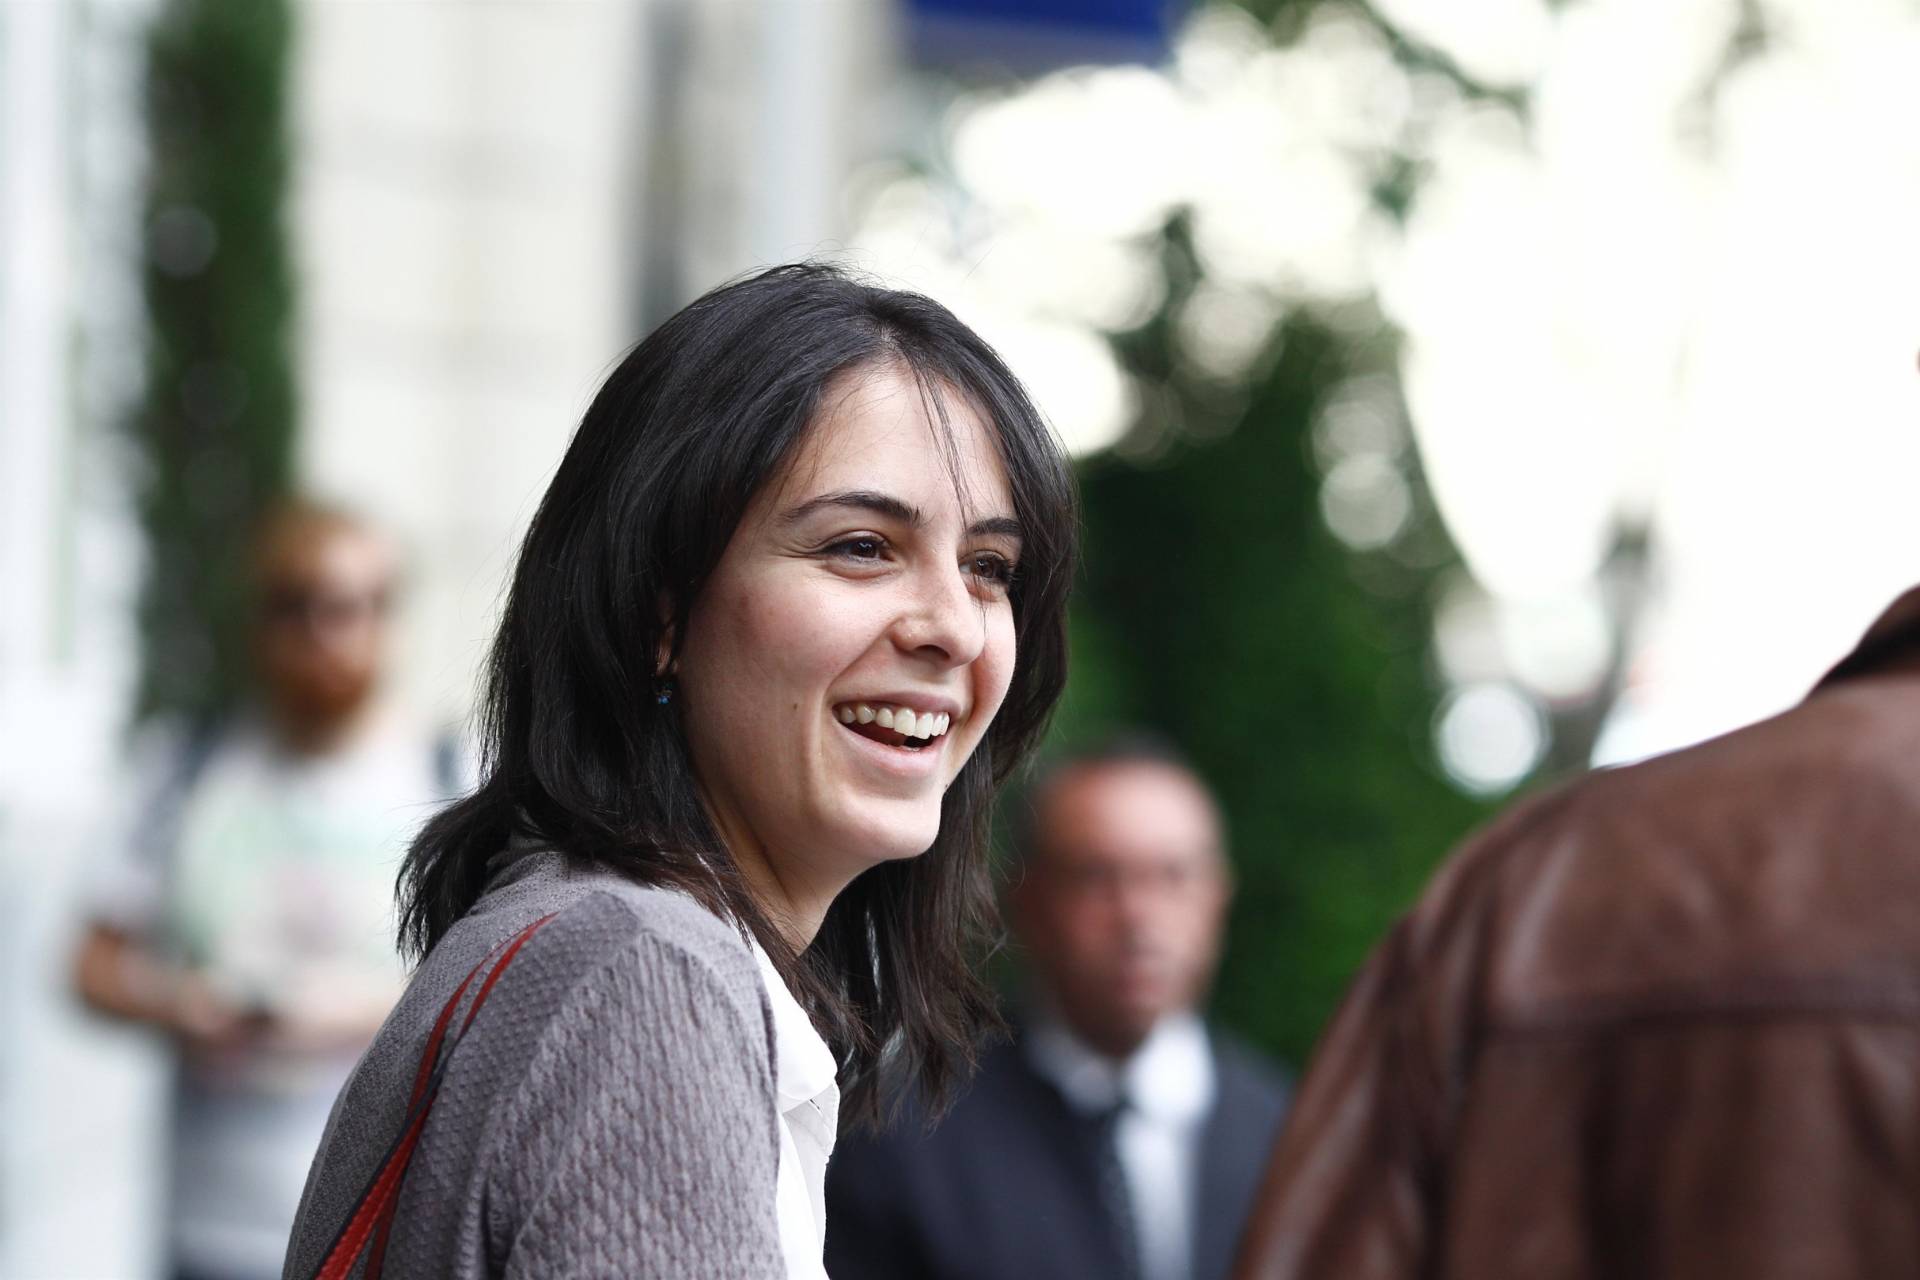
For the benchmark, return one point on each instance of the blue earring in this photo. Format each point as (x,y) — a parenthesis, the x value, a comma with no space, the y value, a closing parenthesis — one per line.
(663,690)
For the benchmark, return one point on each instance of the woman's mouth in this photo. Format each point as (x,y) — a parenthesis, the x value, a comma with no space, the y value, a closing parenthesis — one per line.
(893,726)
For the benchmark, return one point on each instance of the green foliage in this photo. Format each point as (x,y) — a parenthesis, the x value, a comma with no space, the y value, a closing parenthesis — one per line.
(1286,19)
(1218,610)
(216,426)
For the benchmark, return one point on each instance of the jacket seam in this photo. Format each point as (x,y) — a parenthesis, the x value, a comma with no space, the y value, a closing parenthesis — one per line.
(1753,1001)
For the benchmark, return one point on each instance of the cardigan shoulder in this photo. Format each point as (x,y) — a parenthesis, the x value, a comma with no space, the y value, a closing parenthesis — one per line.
(609,1110)
(604,930)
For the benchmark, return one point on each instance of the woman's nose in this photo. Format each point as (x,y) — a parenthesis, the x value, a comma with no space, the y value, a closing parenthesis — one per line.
(943,619)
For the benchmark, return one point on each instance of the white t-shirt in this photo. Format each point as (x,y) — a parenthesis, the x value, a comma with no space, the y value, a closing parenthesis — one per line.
(809,1101)
(276,881)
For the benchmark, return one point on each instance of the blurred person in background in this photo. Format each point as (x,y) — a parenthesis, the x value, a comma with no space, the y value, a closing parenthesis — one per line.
(1116,1136)
(1663,1021)
(251,916)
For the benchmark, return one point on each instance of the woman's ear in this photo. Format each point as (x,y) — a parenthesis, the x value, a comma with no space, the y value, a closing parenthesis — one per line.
(664,661)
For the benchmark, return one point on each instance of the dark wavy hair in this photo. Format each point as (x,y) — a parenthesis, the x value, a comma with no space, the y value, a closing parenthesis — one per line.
(578,755)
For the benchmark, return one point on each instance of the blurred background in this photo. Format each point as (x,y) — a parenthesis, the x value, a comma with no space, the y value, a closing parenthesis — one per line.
(1464,394)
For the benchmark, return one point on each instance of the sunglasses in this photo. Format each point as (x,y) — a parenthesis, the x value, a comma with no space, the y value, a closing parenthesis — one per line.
(302,606)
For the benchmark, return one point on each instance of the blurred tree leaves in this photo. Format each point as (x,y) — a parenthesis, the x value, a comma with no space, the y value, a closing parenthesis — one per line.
(1219,610)
(215,429)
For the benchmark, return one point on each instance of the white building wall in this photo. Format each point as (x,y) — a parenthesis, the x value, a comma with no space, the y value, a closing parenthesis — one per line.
(461,221)
(785,100)
(77,1098)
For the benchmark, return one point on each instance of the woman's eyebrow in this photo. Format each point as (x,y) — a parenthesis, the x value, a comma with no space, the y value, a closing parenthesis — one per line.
(860,500)
(887,505)
(996,526)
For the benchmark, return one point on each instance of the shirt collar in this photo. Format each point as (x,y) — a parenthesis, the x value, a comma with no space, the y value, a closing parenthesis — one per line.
(1891,642)
(804,1067)
(1168,1078)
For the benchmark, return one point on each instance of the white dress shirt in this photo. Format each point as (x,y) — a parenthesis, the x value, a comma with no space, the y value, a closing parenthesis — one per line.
(1169,1087)
(809,1102)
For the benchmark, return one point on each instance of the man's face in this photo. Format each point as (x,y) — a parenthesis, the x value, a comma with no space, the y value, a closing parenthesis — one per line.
(1123,898)
(322,628)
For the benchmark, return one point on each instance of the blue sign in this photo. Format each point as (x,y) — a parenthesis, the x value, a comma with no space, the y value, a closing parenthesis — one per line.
(1038,35)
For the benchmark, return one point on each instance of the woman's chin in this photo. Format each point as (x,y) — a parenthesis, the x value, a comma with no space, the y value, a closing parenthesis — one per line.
(879,839)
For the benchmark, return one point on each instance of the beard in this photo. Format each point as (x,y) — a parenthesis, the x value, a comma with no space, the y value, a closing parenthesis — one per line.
(320,698)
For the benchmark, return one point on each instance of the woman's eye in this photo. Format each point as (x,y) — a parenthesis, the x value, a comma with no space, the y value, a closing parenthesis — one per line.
(993,569)
(865,548)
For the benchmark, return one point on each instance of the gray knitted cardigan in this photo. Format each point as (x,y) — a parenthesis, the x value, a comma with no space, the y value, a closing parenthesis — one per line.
(611,1111)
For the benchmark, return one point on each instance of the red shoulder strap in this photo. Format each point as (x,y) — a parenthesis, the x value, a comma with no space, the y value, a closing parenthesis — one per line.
(372,1218)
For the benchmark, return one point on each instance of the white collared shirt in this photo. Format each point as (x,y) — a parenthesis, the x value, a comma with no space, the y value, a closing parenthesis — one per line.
(808,1098)
(1169,1085)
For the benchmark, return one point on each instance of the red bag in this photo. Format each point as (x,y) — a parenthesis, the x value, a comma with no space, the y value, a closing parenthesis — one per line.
(371,1221)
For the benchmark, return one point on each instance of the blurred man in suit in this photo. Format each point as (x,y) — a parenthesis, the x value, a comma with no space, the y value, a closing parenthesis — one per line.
(1661,1022)
(1116,1137)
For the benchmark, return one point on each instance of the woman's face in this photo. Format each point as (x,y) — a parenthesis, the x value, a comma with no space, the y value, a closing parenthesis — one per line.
(856,639)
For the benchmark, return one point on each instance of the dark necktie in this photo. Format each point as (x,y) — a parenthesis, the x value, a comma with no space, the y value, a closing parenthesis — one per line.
(1116,1197)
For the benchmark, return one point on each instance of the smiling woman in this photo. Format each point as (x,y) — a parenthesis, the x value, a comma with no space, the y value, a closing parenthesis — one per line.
(790,611)
(877,572)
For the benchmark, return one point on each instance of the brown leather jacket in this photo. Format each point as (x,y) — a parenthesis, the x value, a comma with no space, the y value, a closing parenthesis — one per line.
(1662,1022)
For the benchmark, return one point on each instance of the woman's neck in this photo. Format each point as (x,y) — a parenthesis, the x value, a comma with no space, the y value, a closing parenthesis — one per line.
(794,895)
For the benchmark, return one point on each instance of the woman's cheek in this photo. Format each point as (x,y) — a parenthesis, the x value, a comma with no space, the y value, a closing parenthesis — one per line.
(994,671)
(1006,650)
(783,623)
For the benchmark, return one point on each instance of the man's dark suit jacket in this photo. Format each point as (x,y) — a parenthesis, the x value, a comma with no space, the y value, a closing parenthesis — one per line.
(1006,1187)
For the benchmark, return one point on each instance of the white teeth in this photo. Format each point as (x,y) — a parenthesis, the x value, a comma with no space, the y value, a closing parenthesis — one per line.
(902,720)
